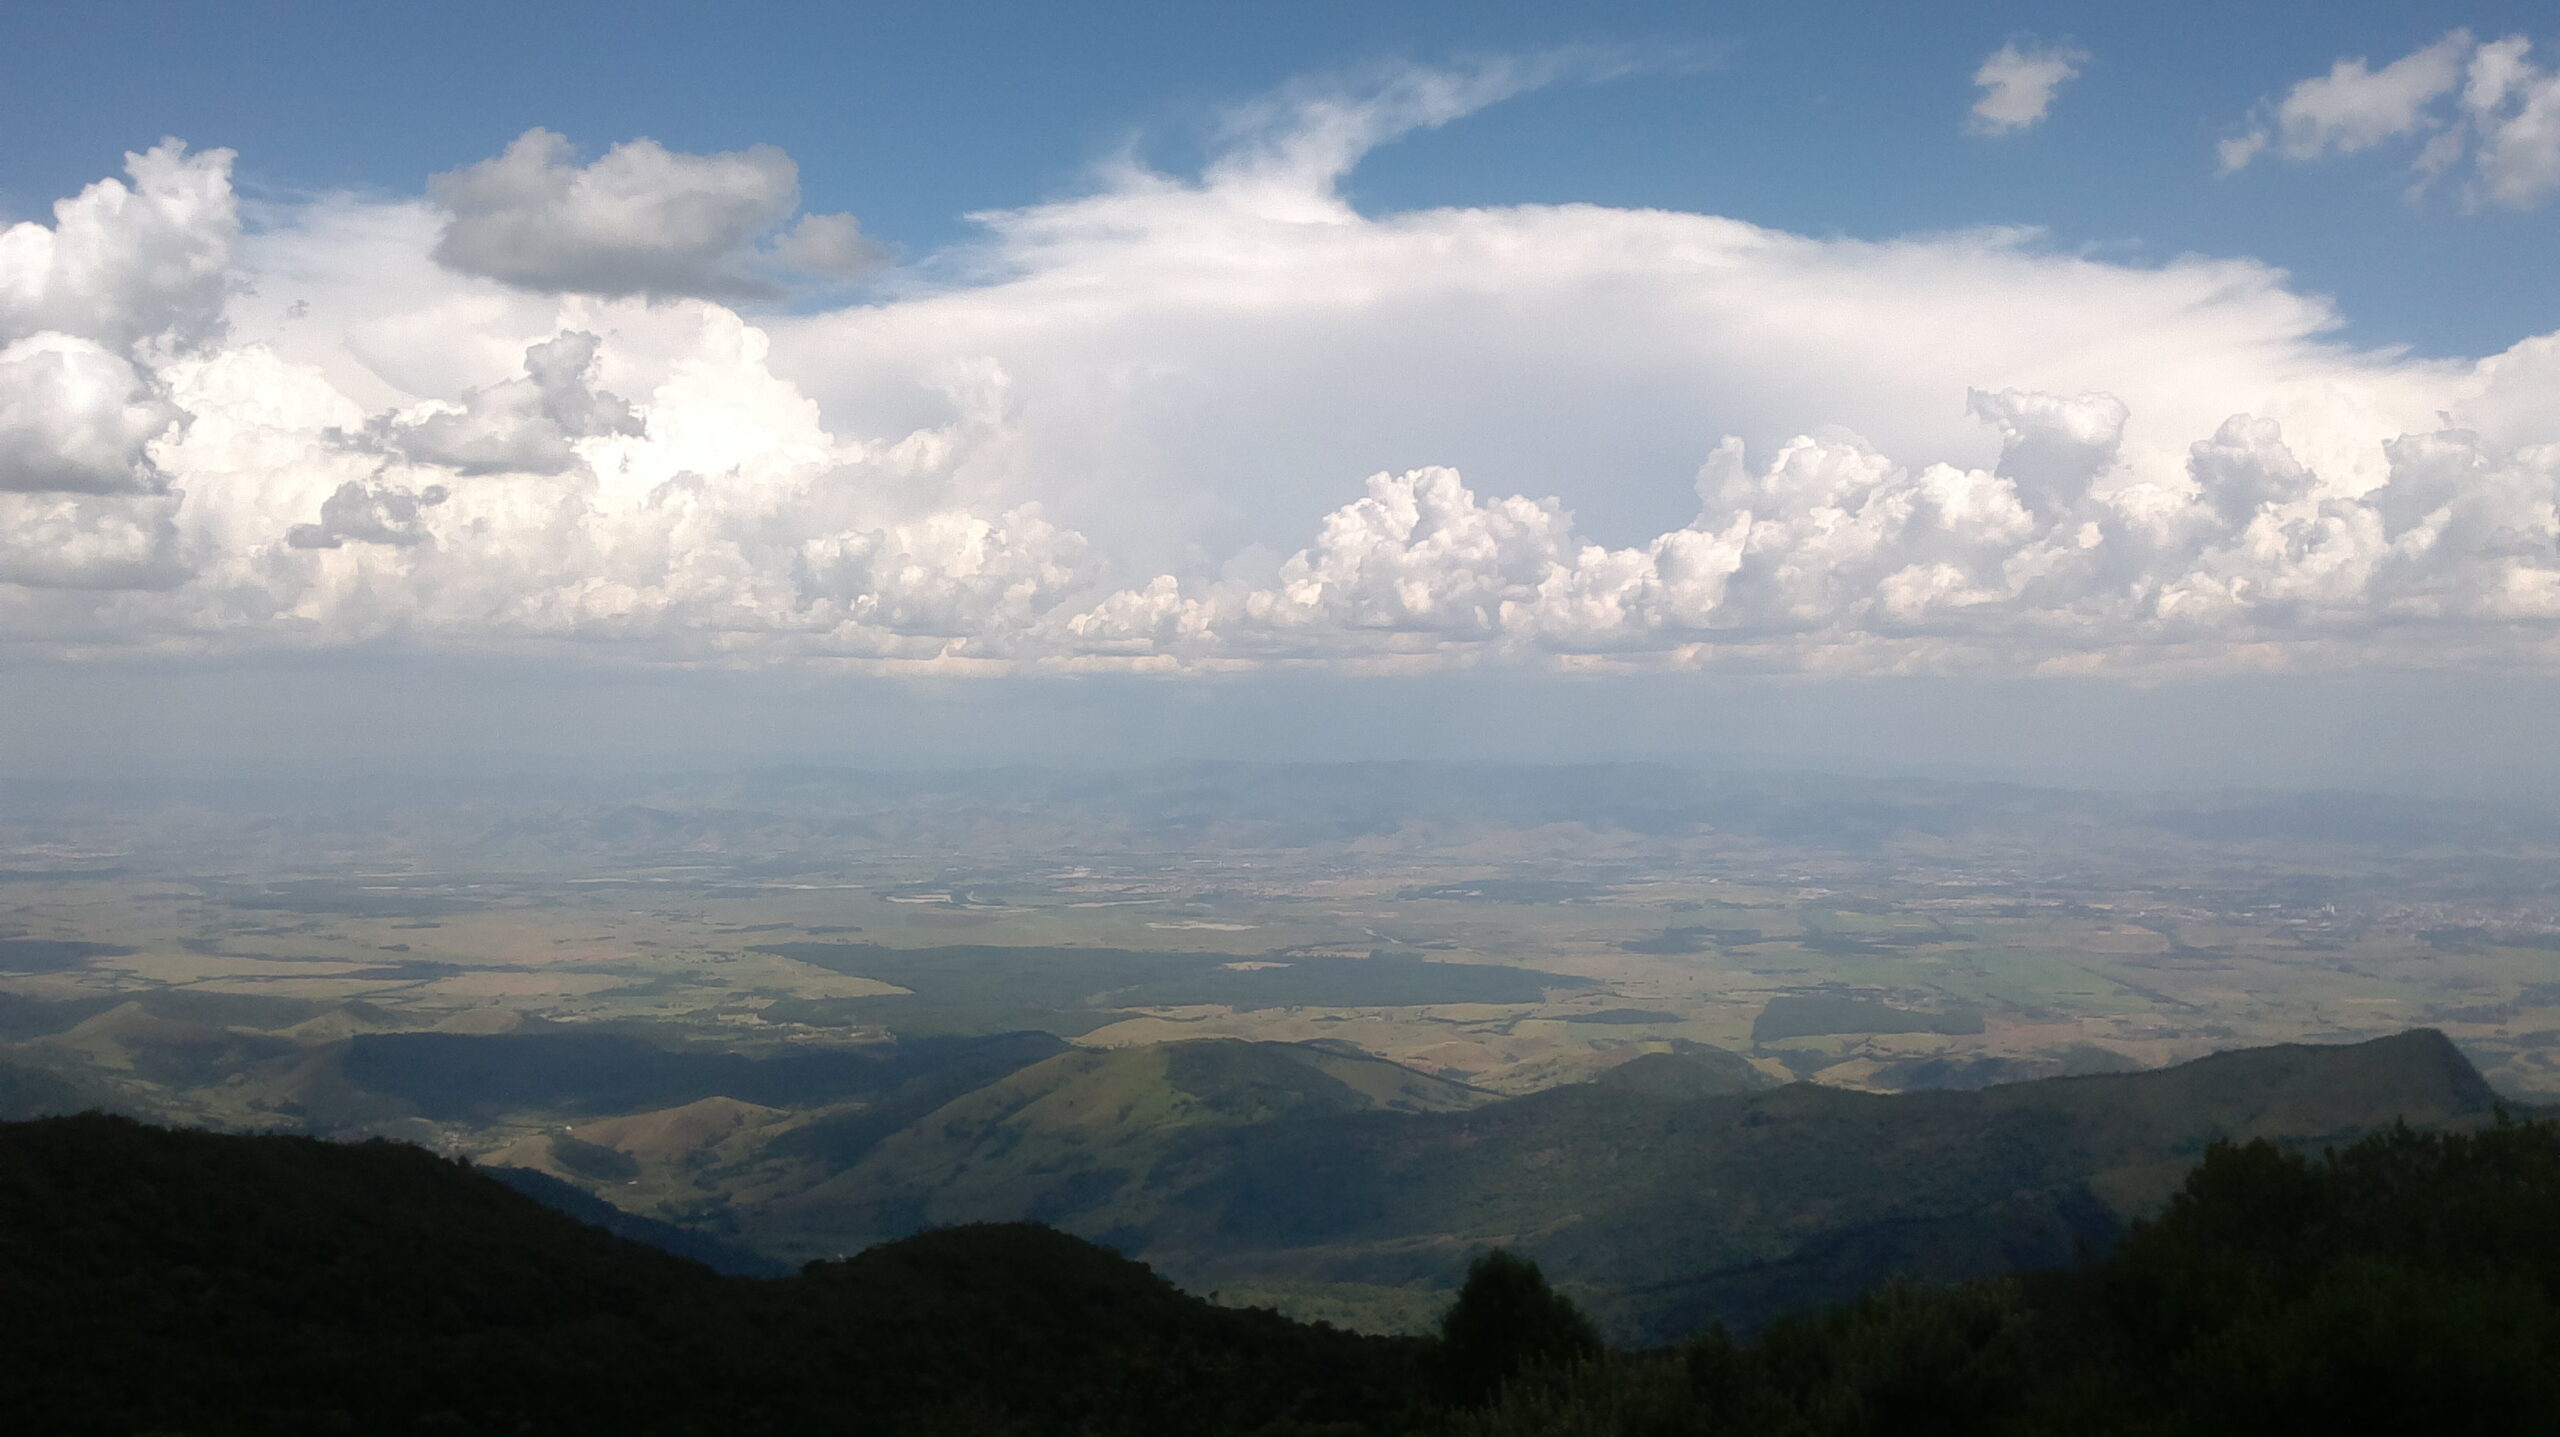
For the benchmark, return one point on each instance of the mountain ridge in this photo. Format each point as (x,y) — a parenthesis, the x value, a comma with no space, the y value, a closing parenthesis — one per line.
(1658,1209)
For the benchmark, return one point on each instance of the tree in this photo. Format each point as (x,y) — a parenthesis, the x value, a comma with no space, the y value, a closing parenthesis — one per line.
(1507,1320)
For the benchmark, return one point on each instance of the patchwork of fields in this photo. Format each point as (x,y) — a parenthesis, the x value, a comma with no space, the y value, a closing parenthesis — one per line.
(727,995)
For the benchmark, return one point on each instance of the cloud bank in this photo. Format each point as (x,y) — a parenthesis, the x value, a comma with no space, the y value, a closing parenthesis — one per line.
(522,414)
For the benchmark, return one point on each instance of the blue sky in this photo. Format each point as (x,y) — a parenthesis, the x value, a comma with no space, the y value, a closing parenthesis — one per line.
(1268,353)
(1822,119)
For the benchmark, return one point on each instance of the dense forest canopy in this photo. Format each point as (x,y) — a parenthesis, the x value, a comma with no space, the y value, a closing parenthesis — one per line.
(168,1280)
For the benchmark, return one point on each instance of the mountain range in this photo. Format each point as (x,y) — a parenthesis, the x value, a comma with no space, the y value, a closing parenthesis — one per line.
(1677,1190)
(175,1280)
(1682,1187)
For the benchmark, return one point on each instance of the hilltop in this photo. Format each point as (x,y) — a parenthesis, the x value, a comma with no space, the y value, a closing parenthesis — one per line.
(1100,1131)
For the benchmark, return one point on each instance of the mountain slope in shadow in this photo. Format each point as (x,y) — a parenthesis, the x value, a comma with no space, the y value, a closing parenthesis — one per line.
(166,1280)
(1660,1205)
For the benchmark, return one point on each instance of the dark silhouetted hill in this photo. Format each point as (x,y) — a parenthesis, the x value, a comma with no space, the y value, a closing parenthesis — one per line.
(171,1281)
(176,1281)
(2408,1283)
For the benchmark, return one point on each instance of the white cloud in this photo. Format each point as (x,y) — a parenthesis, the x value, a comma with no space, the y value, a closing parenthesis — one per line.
(640,220)
(125,278)
(1128,435)
(2356,108)
(2488,103)
(1283,155)
(85,542)
(125,265)
(2018,85)
(528,425)
(2513,105)
(2237,151)
(75,415)
(1833,555)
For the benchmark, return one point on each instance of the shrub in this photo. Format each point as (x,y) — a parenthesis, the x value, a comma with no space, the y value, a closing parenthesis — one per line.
(1507,1320)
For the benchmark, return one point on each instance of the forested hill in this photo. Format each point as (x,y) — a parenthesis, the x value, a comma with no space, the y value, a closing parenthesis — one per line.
(181,1281)
(186,1282)
(1661,1202)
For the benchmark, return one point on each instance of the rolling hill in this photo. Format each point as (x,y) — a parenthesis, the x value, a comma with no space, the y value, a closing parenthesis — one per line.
(1662,1207)
(183,1281)
(1095,1130)
(1677,1188)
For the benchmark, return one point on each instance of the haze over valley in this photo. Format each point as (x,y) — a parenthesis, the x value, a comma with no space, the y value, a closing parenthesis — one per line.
(1419,720)
(802,1010)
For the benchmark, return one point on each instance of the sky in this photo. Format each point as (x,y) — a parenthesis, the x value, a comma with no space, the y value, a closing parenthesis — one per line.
(2141,389)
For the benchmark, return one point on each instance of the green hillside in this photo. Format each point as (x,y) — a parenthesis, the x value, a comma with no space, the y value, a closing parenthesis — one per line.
(1092,1131)
(1689,1070)
(162,1281)
(1675,1189)
(1236,1165)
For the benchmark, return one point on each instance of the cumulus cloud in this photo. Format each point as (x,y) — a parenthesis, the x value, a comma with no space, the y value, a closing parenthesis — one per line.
(368,514)
(2018,85)
(528,425)
(639,220)
(127,276)
(88,542)
(75,415)
(1126,432)
(123,264)
(1830,554)
(2489,112)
